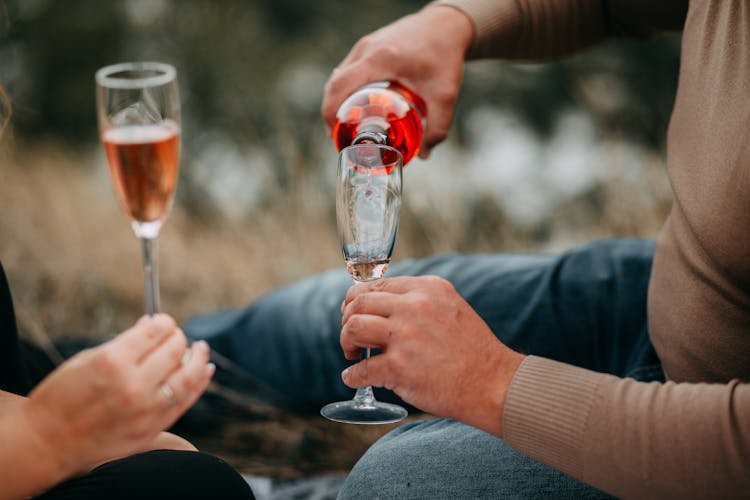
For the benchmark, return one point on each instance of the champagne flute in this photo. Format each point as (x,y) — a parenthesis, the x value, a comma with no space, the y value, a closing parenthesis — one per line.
(368,199)
(138,109)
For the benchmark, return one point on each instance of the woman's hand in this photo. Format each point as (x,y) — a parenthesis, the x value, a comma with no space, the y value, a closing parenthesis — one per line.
(169,441)
(424,51)
(437,353)
(113,400)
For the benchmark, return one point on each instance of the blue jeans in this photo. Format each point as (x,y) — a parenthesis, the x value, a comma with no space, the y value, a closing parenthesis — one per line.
(586,307)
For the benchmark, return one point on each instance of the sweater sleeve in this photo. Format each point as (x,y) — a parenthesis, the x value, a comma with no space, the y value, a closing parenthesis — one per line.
(632,439)
(542,29)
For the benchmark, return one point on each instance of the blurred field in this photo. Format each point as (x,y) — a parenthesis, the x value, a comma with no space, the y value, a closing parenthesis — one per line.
(74,263)
(541,158)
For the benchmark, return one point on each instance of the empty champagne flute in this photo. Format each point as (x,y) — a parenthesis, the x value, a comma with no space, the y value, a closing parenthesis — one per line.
(138,109)
(368,199)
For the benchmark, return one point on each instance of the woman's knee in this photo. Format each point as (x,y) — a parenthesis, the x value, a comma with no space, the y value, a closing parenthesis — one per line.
(164,474)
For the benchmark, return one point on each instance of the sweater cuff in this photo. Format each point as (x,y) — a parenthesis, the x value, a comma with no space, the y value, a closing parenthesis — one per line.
(490,18)
(546,411)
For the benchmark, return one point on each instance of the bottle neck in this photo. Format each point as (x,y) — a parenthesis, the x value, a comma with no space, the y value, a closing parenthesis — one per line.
(371,135)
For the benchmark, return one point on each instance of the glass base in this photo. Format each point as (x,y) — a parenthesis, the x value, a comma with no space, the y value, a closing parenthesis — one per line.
(363,412)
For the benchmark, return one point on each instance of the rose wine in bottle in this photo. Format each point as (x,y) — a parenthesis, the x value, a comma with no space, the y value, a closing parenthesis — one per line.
(143,160)
(381,113)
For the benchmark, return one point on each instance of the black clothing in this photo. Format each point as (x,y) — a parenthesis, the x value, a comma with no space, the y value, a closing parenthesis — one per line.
(162,474)
(14,374)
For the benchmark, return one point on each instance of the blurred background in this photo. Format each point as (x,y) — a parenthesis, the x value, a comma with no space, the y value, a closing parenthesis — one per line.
(541,157)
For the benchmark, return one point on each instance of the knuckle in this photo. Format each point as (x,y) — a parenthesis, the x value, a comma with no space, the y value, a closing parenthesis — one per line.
(181,344)
(333,86)
(439,284)
(379,285)
(384,53)
(187,384)
(363,44)
(175,356)
(130,394)
(183,340)
(192,381)
(183,385)
(358,304)
(105,362)
(421,303)
(433,281)
(354,324)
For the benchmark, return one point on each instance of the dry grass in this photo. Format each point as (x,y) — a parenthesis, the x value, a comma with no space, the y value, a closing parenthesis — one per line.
(74,263)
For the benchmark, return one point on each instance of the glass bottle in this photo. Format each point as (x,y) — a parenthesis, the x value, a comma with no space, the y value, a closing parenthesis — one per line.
(381,113)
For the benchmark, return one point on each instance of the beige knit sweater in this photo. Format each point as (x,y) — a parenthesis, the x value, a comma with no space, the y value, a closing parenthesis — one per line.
(690,437)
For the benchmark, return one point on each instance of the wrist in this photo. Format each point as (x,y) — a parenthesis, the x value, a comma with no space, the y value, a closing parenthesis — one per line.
(510,367)
(487,413)
(46,442)
(456,21)
(27,467)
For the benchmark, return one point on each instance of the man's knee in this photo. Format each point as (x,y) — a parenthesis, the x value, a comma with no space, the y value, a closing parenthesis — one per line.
(428,459)
(443,458)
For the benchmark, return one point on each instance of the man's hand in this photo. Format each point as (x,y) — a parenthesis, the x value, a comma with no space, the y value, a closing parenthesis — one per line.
(424,51)
(437,353)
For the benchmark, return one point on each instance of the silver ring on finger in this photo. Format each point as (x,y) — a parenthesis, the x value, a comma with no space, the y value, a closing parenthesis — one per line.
(168,393)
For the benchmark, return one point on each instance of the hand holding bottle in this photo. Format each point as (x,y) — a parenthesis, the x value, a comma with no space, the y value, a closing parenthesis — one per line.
(423,51)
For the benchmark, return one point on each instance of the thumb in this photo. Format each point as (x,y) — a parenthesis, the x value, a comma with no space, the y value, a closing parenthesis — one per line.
(369,371)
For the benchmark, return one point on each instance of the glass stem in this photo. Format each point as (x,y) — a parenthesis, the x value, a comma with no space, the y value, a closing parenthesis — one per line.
(364,395)
(150,275)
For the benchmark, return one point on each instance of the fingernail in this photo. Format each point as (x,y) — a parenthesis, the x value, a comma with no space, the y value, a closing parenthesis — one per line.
(209,370)
(345,374)
(186,356)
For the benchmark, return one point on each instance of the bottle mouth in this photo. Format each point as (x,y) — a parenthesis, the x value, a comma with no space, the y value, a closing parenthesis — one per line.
(371,137)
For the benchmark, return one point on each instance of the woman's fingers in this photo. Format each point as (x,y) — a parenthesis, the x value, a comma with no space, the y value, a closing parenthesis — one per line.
(150,331)
(188,382)
(158,364)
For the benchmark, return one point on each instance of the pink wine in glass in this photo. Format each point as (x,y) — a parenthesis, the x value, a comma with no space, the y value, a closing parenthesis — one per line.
(143,160)
(367,271)
(381,113)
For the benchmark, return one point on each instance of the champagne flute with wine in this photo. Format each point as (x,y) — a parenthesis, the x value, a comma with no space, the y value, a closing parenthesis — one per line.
(138,109)
(368,199)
